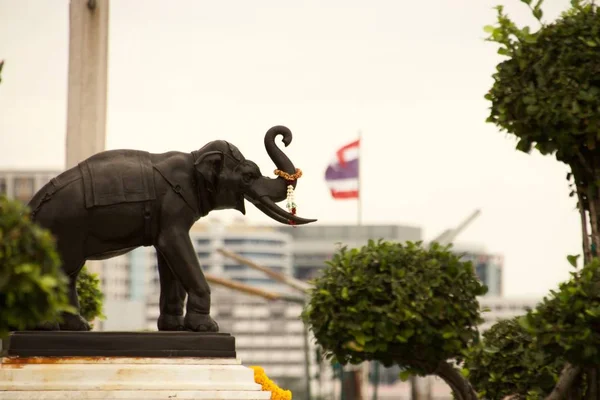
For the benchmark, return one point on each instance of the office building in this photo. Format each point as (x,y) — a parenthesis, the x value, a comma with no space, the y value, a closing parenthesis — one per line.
(488,266)
(313,245)
(23,184)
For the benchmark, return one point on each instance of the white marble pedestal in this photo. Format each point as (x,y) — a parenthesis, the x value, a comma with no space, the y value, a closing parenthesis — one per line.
(116,378)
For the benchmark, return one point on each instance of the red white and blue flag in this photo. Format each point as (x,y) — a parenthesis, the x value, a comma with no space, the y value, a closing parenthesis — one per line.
(342,173)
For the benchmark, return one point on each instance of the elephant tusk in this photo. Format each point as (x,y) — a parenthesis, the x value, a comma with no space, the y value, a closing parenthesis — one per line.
(268,204)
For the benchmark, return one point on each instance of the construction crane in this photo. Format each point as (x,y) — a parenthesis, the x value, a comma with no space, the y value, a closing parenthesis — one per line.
(449,235)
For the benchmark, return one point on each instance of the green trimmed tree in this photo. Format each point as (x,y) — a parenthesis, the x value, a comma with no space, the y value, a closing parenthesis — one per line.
(507,363)
(547,94)
(32,285)
(398,304)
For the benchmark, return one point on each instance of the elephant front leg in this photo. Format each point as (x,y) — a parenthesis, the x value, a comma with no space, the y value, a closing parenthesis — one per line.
(177,249)
(172,297)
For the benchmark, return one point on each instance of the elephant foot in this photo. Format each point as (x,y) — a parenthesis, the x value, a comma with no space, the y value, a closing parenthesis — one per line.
(200,323)
(170,323)
(74,322)
(47,326)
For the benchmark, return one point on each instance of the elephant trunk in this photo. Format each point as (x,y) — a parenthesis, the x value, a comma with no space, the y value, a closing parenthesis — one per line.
(282,161)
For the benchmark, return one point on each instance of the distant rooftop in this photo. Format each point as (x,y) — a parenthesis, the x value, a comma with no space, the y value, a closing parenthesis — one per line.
(355,232)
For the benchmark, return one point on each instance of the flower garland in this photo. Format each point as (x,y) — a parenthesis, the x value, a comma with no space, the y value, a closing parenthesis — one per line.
(290,178)
(262,379)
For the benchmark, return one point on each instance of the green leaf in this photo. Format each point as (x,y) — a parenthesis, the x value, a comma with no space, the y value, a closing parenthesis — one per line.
(524,322)
(528,2)
(504,51)
(572,259)
(538,13)
(448,335)
(405,375)
(489,29)
(491,350)
(345,293)
(360,338)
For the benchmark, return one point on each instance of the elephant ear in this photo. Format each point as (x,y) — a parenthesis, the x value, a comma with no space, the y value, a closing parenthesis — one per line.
(210,165)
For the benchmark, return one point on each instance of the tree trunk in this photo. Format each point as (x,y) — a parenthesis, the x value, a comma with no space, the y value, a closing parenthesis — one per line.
(576,390)
(565,381)
(592,384)
(460,386)
(593,204)
(587,250)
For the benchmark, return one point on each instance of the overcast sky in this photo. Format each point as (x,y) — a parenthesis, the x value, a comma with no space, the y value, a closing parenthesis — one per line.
(410,74)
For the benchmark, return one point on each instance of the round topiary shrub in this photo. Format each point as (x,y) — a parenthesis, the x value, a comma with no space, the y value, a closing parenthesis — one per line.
(396,303)
(32,286)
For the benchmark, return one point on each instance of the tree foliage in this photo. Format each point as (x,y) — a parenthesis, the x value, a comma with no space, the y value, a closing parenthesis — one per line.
(547,92)
(1,66)
(397,304)
(90,295)
(32,285)
(567,323)
(507,363)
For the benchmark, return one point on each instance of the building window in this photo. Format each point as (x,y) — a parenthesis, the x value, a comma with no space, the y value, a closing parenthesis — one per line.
(260,254)
(481,271)
(234,267)
(3,187)
(254,241)
(255,281)
(24,189)
(304,272)
(203,254)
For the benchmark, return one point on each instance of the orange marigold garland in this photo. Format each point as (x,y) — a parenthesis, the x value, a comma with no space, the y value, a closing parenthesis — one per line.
(262,379)
(290,178)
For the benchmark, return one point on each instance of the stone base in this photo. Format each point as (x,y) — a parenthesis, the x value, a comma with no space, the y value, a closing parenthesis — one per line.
(120,344)
(124,365)
(116,378)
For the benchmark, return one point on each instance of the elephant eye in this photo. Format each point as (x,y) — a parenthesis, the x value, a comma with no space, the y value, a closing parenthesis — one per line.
(247,177)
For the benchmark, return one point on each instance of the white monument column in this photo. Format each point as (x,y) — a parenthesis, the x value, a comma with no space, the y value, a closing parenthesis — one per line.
(88,73)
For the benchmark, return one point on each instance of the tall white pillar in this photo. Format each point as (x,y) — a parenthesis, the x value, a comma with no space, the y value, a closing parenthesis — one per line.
(88,70)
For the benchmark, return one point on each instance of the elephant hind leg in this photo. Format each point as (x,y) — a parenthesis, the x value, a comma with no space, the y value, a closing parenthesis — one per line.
(73,322)
(68,321)
(72,264)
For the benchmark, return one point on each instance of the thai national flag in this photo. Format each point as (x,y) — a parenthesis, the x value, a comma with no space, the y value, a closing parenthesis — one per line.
(342,173)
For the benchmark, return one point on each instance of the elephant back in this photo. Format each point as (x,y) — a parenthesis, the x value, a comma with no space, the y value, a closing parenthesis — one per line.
(117,176)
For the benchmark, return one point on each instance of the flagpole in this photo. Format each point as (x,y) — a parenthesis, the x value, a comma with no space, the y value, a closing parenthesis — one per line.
(360,194)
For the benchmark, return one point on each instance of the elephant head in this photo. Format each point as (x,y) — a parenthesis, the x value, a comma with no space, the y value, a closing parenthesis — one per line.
(230,178)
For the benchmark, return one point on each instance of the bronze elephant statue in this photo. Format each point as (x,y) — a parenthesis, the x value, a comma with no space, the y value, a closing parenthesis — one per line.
(118,200)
